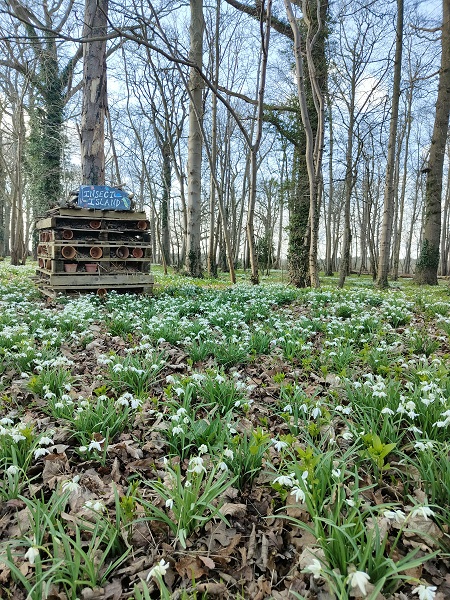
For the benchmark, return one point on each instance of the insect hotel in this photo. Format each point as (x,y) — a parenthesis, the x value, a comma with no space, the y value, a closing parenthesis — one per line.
(95,244)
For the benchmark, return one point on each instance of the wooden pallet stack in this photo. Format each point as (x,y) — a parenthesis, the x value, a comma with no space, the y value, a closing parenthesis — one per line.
(85,250)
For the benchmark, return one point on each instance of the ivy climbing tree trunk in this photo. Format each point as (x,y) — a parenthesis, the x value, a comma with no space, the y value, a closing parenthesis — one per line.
(428,261)
(193,262)
(313,16)
(94,105)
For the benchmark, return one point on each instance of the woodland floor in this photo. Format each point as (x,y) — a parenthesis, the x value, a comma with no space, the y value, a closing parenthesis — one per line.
(248,442)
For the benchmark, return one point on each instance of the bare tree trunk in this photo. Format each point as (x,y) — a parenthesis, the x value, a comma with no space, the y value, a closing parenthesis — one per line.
(328,260)
(94,94)
(193,262)
(396,261)
(445,237)
(427,264)
(167,187)
(388,210)
(17,233)
(211,264)
(254,278)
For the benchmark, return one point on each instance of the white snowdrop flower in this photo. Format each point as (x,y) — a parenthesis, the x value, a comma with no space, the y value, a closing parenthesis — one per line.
(45,441)
(160,340)
(284,480)
(97,506)
(71,485)
(6,421)
(359,579)
(169,503)
(40,452)
(304,408)
(82,449)
(95,445)
(316,412)
(122,401)
(31,554)
(186,420)
(17,437)
(279,444)
(196,377)
(196,465)
(179,391)
(422,511)
(177,430)
(288,409)
(231,429)
(347,435)
(387,411)
(415,430)
(422,446)
(425,592)
(24,375)
(395,515)
(12,470)
(336,473)
(136,403)
(117,368)
(203,449)
(410,405)
(412,415)
(350,502)
(159,569)
(219,378)
(187,484)
(298,494)
(315,568)
(228,453)
(222,466)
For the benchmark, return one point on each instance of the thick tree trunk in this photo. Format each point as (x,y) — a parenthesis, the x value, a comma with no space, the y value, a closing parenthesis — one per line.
(193,253)
(314,140)
(94,94)
(428,262)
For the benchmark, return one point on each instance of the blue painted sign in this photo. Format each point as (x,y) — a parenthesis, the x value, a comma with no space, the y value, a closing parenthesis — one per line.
(103,197)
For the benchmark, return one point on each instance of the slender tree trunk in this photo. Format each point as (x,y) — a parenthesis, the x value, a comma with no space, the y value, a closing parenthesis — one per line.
(344,266)
(167,187)
(94,94)
(17,224)
(211,265)
(254,278)
(328,260)
(389,199)
(193,263)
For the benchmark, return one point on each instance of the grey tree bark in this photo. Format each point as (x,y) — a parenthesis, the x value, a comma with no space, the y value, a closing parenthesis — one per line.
(389,197)
(193,264)
(428,262)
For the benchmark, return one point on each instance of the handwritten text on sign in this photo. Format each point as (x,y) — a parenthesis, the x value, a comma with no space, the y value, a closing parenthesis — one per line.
(103,197)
